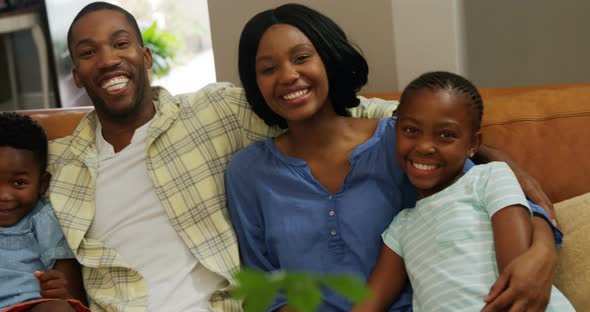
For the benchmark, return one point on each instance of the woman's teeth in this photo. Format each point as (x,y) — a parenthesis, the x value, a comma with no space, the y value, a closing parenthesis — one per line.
(296,94)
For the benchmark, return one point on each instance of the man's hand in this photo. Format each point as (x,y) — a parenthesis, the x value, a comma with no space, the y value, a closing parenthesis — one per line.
(53,284)
(525,284)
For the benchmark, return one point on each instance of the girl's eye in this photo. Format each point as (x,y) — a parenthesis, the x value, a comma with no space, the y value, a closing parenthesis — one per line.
(410,130)
(448,134)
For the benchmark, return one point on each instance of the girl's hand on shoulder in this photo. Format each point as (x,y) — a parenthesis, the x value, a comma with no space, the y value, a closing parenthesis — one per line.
(53,284)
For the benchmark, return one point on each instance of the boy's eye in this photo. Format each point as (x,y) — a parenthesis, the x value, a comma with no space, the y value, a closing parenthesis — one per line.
(20,183)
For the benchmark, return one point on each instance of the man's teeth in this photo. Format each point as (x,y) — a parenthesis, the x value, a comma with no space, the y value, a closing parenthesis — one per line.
(423,166)
(295,94)
(116,83)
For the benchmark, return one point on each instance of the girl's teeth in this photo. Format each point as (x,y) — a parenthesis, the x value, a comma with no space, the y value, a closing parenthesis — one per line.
(295,94)
(423,166)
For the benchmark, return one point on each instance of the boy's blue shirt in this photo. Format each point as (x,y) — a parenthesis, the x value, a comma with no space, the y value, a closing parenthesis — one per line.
(34,243)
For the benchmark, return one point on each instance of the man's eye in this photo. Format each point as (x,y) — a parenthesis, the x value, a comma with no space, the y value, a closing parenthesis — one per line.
(121,44)
(86,53)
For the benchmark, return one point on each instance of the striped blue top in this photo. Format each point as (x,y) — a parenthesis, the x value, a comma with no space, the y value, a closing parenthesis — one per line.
(447,241)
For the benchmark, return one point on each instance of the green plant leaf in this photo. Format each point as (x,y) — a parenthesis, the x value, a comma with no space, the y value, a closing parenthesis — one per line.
(257,289)
(349,286)
(303,292)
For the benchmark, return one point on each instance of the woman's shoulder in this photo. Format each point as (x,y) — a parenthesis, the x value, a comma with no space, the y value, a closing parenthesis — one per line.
(249,157)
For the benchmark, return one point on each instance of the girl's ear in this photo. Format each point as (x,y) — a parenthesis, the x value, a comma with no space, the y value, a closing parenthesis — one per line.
(475,143)
(44,183)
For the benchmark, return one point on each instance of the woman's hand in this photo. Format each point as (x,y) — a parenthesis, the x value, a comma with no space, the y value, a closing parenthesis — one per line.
(525,284)
(53,284)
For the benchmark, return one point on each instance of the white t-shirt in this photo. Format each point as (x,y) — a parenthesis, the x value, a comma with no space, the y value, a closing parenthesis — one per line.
(130,218)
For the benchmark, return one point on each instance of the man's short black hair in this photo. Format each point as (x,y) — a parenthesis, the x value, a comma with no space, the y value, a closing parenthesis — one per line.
(97,6)
(22,132)
(346,68)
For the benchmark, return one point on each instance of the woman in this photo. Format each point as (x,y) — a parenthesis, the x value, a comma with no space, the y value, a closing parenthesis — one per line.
(317,197)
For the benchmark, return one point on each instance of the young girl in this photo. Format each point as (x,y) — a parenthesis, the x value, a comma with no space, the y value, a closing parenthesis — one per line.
(465,228)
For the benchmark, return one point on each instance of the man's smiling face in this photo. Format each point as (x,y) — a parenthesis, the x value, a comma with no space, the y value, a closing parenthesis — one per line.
(110,63)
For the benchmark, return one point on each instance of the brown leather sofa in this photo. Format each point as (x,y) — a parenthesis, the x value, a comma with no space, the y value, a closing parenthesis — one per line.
(546,129)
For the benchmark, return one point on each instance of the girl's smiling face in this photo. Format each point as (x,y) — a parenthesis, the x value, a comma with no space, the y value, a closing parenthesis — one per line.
(435,136)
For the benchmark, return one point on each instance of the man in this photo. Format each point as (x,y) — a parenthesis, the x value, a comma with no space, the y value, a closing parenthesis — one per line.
(139,186)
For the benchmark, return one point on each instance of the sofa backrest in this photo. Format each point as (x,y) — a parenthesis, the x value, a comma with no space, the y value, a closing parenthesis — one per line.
(546,129)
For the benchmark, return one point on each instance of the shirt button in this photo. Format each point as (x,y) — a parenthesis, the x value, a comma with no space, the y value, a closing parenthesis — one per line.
(330,197)
(333,232)
(332,213)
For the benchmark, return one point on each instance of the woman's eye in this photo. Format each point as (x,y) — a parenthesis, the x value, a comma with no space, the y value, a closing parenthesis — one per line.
(302,58)
(267,70)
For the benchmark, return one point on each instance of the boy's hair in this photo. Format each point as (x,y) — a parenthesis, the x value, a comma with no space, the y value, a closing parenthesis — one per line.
(455,84)
(346,68)
(97,6)
(22,132)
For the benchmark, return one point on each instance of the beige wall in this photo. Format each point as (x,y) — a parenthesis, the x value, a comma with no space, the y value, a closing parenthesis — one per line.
(367,23)
(527,42)
(494,43)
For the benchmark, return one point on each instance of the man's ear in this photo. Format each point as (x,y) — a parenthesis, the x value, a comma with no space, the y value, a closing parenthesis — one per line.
(44,183)
(76,77)
(147,58)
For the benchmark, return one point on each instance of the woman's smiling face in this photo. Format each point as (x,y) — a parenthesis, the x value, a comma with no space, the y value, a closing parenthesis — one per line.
(290,74)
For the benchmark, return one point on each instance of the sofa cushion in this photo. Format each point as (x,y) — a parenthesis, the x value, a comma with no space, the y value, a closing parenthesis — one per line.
(572,275)
(547,131)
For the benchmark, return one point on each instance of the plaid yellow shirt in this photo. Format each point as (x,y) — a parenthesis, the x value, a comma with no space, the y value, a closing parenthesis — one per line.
(190,142)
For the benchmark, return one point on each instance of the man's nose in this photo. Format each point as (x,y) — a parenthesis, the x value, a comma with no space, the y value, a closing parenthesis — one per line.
(108,58)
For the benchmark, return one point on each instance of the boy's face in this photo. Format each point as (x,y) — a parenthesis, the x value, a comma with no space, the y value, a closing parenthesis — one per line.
(21,183)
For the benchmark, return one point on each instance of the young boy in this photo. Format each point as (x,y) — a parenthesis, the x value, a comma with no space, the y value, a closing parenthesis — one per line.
(37,268)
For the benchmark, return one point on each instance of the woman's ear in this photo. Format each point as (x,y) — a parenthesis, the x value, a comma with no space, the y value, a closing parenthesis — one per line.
(44,183)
